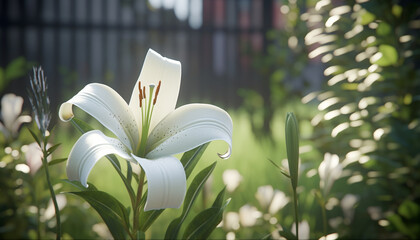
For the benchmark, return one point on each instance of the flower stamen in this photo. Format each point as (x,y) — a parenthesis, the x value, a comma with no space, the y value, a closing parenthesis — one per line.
(146,113)
(140,95)
(157,92)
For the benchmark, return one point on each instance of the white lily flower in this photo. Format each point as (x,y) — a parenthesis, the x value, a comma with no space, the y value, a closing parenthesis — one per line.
(148,130)
(11,108)
(329,171)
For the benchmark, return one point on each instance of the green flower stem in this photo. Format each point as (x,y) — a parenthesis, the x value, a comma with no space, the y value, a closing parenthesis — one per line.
(38,211)
(136,207)
(296,212)
(53,197)
(324,219)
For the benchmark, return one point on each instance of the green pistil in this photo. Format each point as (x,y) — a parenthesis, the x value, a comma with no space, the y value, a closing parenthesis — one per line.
(145,121)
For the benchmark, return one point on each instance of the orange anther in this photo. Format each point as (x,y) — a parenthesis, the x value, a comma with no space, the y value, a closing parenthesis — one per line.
(156,93)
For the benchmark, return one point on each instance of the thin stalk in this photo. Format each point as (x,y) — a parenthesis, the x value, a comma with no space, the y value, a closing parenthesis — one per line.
(53,197)
(38,211)
(296,213)
(136,208)
(324,218)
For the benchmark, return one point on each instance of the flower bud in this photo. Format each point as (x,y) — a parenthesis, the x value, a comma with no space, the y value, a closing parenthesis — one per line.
(292,146)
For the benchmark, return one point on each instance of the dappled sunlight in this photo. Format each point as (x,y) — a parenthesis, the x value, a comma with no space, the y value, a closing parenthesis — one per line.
(321,124)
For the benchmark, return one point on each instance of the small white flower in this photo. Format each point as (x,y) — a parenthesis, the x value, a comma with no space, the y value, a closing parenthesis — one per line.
(33,156)
(304,230)
(264,196)
(248,215)
(148,130)
(279,201)
(11,108)
(348,204)
(270,199)
(231,178)
(329,171)
(231,221)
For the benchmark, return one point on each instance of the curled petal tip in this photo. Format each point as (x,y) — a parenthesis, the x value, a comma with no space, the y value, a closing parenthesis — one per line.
(66,112)
(225,155)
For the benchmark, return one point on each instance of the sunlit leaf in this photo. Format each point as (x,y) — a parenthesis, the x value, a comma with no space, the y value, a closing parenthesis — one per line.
(389,55)
(409,210)
(190,158)
(192,193)
(205,222)
(110,209)
(366,18)
(383,29)
(56,161)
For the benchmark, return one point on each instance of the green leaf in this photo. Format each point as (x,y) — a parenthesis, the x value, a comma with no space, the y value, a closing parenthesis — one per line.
(192,193)
(56,161)
(189,161)
(70,186)
(205,222)
(366,18)
(52,149)
(409,210)
(400,225)
(280,168)
(81,125)
(110,209)
(383,29)
(35,137)
(147,218)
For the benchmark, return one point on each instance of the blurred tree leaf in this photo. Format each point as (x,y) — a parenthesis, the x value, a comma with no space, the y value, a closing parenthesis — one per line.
(389,56)
(409,210)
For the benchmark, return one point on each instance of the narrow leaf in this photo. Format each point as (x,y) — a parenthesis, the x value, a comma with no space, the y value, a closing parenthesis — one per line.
(75,185)
(35,137)
(81,125)
(205,222)
(56,161)
(110,209)
(52,149)
(280,168)
(189,159)
(287,234)
(192,193)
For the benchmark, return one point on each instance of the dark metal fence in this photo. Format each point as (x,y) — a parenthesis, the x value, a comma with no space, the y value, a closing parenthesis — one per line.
(81,41)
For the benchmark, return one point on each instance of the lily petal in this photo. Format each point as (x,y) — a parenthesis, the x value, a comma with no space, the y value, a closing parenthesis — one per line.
(188,127)
(166,182)
(109,108)
(157,68)
(88,150)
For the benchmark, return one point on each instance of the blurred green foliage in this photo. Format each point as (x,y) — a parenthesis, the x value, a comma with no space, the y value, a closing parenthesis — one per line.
(369,107)
(15,69)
